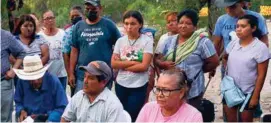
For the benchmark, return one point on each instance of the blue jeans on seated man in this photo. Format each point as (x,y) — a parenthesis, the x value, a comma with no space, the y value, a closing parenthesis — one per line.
(63,81)
(7,95)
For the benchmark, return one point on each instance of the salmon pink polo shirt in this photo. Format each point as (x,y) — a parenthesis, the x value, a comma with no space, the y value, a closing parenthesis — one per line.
(151,112)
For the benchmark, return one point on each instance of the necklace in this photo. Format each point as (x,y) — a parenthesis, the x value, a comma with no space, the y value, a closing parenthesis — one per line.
(133,42)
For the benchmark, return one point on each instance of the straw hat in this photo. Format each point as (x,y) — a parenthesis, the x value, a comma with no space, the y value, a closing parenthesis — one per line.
(33,68)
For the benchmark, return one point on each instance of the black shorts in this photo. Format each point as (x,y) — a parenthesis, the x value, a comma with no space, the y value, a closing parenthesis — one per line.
(240,105)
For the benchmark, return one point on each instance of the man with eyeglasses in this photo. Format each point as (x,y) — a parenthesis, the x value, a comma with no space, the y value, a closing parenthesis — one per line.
(171,106)
(92,39)
(54,36)
(226,24)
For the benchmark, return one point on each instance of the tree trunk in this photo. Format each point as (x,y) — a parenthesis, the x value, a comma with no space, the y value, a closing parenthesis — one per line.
(213,14)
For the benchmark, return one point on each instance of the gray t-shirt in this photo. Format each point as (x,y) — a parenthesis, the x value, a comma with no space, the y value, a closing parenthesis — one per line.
(105,108)
(133,50)
(35,47)
(242,63)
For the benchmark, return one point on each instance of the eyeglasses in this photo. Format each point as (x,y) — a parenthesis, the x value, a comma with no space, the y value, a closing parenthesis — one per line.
(49,18)
(164,92)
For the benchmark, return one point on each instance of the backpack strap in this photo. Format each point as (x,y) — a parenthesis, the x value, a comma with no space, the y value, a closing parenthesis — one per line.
(196,76)
(175,49)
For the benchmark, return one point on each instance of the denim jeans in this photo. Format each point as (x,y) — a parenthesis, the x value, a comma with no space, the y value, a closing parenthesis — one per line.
(132,99)
(7,95)
(79,85)
(63,81)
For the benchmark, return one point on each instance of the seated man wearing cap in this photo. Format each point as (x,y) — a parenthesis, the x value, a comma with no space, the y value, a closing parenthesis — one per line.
(38,93)
(95,103)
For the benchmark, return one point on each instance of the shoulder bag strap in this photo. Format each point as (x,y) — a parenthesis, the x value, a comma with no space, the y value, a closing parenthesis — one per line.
(175,49)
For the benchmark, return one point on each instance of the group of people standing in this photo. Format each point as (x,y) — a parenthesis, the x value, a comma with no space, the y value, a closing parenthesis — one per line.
(35,90)
(91,55)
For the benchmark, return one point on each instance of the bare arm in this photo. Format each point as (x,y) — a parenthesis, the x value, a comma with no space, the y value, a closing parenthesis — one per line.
(225,59)
(217,40)
(147,58)
(18,63)
(264,39)
(63,120)
(262,70)
(211,63)
(73,59)
(66,57)
(12,60)
(117,64)
(11,74)
(73,62)
(44,53)
(158,60)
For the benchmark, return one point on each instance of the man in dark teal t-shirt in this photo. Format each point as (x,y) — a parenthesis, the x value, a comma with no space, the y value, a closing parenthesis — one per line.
(92,39)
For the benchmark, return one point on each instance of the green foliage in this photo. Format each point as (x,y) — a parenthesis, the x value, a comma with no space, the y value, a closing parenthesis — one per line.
(153,10)
(4,15)
(256,5)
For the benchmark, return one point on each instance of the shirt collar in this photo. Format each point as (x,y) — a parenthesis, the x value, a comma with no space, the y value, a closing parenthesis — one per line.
(36,37)
(252,44)
(44,85)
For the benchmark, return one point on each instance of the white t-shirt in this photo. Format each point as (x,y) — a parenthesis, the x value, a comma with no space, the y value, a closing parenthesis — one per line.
(133,50)
(55,44)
